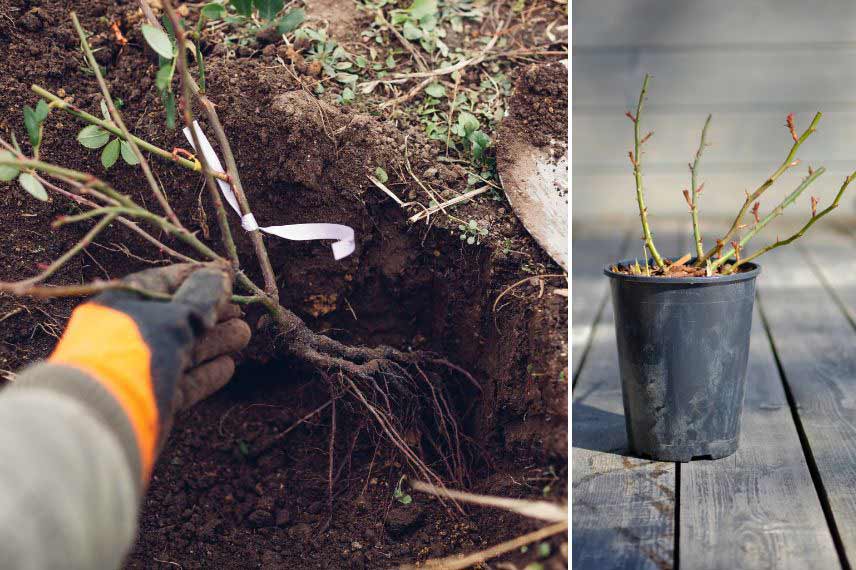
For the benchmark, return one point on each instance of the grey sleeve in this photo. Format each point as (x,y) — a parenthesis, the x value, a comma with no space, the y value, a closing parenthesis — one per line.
(69,473)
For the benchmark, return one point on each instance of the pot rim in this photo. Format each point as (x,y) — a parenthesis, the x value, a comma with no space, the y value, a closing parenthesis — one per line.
(724,279)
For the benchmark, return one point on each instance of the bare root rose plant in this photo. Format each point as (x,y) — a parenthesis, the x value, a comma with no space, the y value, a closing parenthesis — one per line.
(391,387)
(728,253)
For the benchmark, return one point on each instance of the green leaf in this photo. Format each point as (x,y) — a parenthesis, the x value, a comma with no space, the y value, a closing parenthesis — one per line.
(480,141)
(444,49)
(167,25)
(347,96)
(163,79)
(32,124)
(468,122)
(29,183)
(361,61)
(436,90)
(128,154)
(42,111)
(7,173)
(411,32)
(105,112)
(291,21)
(381,175)
(390,61)
(268,8)
(213,11)
(347,78)
(93,136)
(110,154)
(159,41)
(405,499)
(242,7)
(422,8)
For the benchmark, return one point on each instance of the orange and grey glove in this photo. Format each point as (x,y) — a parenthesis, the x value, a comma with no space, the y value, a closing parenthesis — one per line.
(156,357)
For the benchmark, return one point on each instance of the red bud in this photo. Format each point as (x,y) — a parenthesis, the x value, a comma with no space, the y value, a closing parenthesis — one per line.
(791,127)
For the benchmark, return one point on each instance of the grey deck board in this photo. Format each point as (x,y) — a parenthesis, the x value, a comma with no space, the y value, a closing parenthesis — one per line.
(714,80)
(689,23)
(758,508)
(706,57)
(610,195)
(832,252)
(752,143)
(816,346)
(591,249)
(623,509)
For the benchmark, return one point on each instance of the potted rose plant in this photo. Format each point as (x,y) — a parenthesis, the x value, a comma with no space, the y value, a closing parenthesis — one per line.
(683,324)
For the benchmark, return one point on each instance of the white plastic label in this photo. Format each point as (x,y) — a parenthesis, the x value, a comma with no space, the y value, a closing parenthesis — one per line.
(344,235)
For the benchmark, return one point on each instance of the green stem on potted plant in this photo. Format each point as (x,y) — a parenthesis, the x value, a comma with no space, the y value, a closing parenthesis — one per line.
(695,190)
(636,161)
(815,216)
(753,197)
(776,212)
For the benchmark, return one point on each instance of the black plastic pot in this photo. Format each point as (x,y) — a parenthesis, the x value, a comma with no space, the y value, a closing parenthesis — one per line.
(683,347)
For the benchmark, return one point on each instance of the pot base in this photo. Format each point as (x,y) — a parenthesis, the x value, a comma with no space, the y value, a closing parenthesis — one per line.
(686,453)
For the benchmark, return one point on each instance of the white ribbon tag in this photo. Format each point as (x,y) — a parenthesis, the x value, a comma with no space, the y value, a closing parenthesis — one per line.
(343,247)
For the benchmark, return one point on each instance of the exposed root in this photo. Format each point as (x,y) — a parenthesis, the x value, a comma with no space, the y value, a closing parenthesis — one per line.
(406,401)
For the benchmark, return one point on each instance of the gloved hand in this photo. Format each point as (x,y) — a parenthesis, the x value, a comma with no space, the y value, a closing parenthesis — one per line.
(157,357)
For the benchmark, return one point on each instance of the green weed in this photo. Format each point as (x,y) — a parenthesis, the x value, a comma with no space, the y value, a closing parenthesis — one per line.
(471,232)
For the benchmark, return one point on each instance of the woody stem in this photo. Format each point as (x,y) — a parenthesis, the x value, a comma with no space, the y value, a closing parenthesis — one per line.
(637,173)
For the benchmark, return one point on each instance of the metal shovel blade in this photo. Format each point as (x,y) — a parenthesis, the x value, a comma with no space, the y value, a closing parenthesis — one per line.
(535,179)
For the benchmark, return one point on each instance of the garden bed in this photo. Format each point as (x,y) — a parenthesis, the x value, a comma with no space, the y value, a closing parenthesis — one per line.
(232,489)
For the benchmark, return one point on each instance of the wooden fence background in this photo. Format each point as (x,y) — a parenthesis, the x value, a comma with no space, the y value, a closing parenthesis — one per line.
(748,62)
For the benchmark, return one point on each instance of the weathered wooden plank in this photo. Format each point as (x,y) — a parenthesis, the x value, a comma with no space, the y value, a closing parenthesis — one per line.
(623,506)
(711,81)
(758,508)
(831,248)
(591,248)
(599,196)
(752,143)
(816,346)
(761,23)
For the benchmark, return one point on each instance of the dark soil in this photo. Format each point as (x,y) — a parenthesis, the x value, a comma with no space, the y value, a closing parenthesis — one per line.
(227,492)
(674,269)
(539,110)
